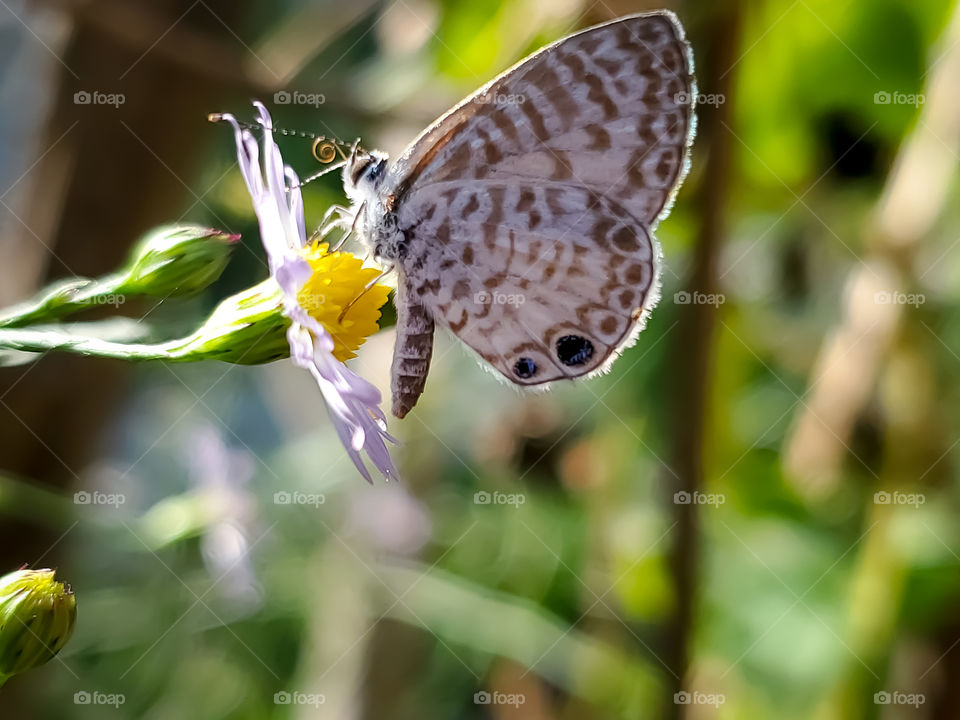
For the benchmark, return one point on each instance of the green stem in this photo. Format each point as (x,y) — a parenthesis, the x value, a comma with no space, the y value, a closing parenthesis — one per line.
(246,328)
(40,341)
(64,298)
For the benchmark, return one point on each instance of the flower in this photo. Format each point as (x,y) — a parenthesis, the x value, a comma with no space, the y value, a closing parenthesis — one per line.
(331,287)
(315,286)
(37,615)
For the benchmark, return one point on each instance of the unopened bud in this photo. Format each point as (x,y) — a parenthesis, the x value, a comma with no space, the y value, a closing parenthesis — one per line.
(176,260)
(37,615)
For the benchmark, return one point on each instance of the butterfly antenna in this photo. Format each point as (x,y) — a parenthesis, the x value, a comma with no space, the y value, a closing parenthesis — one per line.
(325,149)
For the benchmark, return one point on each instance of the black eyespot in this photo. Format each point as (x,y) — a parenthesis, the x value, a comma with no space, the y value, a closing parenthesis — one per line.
(525,368)
(574,350)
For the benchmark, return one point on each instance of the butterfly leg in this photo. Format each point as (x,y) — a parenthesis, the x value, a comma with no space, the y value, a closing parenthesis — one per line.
(327,225)
(353,226)
(413,349)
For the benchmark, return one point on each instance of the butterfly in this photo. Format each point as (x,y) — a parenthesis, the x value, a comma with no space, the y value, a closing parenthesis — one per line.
(522,219)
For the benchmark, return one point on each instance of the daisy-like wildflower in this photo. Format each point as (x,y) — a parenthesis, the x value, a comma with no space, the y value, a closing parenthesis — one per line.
(316,286)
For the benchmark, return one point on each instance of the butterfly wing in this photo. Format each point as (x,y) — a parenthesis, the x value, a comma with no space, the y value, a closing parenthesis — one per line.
(527,209)
(609,109)
(543,281)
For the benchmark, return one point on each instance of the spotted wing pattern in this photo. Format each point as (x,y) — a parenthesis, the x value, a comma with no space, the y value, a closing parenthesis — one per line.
(527,210)
(609,109)
(543,282)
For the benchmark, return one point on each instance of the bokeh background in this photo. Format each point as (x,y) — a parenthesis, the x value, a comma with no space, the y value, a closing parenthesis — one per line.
(755,509)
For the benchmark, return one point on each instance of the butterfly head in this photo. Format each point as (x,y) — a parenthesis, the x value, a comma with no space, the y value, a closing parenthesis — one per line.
(364,172)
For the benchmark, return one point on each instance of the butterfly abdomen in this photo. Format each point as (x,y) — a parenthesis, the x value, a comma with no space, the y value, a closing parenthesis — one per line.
(413,349)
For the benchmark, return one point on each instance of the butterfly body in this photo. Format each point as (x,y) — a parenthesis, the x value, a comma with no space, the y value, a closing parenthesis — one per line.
(525,225)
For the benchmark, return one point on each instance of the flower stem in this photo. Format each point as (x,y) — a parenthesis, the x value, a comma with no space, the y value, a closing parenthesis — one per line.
(40,341)
(61,299)
(247,328)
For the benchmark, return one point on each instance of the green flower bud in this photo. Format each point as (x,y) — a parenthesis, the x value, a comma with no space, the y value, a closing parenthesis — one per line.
(176,260)
(37,615)
(248,328)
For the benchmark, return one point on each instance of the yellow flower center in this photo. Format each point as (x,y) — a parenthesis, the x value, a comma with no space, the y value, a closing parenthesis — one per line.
(338,280)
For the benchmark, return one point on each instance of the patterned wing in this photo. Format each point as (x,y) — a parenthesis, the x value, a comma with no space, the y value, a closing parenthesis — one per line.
(609,109)
(542,281)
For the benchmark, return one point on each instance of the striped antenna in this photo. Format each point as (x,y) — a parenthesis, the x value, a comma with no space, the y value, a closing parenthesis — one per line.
(325,149)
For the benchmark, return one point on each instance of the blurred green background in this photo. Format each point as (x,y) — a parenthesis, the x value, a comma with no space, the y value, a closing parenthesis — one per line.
(752,516)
